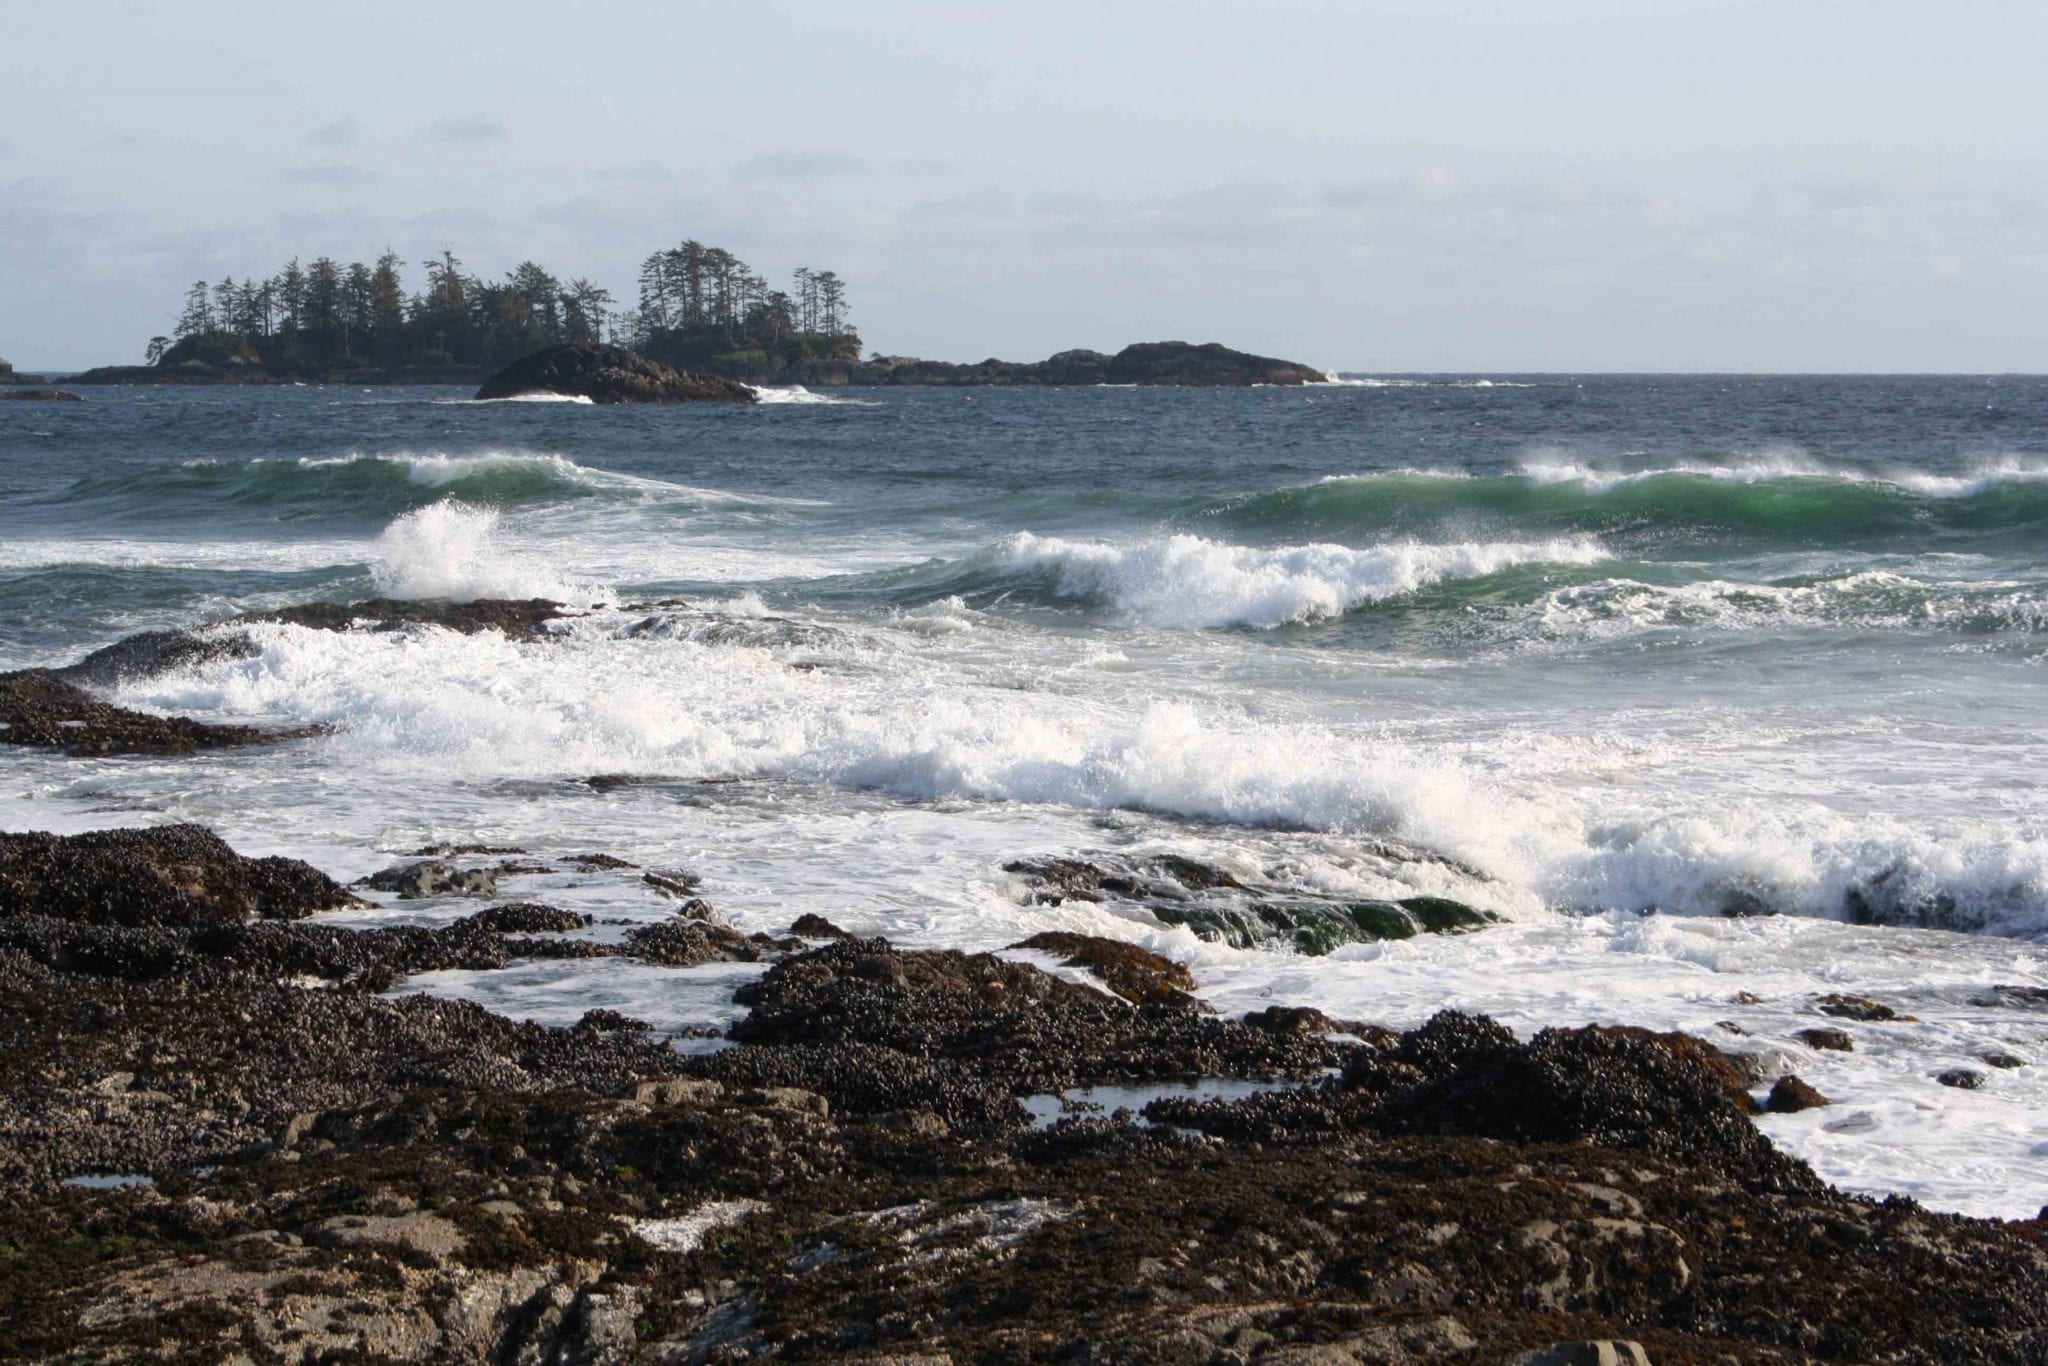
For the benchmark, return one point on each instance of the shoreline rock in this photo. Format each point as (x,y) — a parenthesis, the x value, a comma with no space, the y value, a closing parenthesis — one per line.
(57,708)
(202,1159)
(608,374)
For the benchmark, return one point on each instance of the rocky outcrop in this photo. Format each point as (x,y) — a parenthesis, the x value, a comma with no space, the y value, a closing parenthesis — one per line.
(171,875)
(608,374)
(39,395)
(209,1162)
(1244,910)
(56,709)
(39,708)
(1185,364)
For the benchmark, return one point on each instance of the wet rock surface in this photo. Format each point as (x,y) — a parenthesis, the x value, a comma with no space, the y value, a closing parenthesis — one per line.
(40,709)
(61,709)
(1242,909)
(430,878)
(326,1173)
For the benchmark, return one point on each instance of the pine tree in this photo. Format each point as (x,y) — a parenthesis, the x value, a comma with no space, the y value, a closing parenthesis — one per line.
(197,318)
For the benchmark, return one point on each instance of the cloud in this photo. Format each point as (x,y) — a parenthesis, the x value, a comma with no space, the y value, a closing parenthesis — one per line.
(796,166)
(334,174)
(466,128)
(340,133)
(638,173)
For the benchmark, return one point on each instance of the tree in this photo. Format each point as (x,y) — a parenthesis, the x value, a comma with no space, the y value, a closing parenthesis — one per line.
(290,288)
(387,308)
(584,310)
(197,318)
(832,319)
(154,355)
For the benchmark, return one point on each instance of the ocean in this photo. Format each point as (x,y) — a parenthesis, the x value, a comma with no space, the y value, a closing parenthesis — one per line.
(1721,694)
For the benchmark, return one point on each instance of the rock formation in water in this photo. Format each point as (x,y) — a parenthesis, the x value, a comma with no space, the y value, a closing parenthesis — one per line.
(608,374)
(1175,363)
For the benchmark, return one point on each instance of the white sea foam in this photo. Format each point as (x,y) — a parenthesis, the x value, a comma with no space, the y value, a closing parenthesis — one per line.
(538,396)
(1190,581)
(449,550)
(1871,599)
(1553,468)
(913,720)
(796,393)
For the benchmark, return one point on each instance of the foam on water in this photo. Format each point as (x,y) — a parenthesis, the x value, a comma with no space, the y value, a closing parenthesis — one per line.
(449,550)
(926,714)
(1190,581)
(796,393)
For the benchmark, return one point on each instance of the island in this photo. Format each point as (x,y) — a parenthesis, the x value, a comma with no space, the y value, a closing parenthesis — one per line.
(700,311)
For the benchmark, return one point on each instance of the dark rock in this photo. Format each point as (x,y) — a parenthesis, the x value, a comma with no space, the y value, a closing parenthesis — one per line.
(1295,1021)
(445,850)
(431,878)
(1144,363)
(675,882)
(597,863)
(518,619)
(1857,1008)
(1743,903)
(607,374)
(151,653)
(1962,1078)
(1618,1088)
(527,917)
(1243,912)
(812,926)
(166,875)
(1133,973)
(1790,1095)
(2003,1060)
(683,943)
(610,1022)
(40,709)
(39,395)
(1832,1040)
(2022,995)
(1013,1022)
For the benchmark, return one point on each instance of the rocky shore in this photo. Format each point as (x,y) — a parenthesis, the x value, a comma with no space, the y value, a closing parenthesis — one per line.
(228,1131)
(224,1136)
(608,374)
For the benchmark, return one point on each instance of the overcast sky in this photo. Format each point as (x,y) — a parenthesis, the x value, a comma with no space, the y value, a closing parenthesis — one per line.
(1530,184)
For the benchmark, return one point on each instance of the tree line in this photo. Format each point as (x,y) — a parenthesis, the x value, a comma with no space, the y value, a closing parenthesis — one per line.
(697,305)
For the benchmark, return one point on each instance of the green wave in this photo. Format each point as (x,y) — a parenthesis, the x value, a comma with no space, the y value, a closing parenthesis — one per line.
(1676,509)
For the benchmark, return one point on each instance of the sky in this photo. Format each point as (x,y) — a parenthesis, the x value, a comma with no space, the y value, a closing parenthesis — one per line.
(1574,185)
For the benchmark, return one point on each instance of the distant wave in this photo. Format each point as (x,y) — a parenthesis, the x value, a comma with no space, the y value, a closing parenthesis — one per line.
(382,486)
(1187,581)
(537,397)
(1336,381)
(1769,502)
(796,393)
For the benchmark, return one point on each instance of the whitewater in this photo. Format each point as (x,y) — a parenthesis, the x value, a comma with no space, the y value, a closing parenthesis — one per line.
(1720,694)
